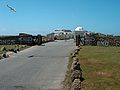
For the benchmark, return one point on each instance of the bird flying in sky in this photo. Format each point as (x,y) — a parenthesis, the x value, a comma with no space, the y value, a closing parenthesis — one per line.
(11,8)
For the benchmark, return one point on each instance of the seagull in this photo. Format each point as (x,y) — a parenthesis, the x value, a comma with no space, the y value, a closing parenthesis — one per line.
(11,8)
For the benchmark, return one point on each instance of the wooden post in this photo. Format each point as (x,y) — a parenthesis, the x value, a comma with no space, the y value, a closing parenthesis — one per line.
(77,40)
(39,39)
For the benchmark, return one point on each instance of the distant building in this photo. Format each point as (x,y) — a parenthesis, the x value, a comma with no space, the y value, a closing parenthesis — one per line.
(58,32)
(50,36)
(79,31)
(63,34)
(68,33)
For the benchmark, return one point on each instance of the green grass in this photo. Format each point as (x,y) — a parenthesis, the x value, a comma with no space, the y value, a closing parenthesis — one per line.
(7,47)
(101,68)
(13,46)
(68,81)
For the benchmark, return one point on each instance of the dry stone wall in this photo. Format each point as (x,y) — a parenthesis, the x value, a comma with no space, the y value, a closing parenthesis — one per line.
(76,71)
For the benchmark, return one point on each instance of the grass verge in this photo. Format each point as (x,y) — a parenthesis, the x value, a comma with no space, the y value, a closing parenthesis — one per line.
(21,47)
(101,67)
(68,81)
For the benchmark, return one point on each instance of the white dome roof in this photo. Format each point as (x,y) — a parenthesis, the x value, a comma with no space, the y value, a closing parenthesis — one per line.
(79,29)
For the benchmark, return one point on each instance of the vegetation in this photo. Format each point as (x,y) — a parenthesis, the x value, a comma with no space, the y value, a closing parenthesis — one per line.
(8,47)
(101,67)
(68,81)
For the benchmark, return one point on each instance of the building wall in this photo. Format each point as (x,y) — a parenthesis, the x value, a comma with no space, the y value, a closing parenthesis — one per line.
(63,34)
(81,33)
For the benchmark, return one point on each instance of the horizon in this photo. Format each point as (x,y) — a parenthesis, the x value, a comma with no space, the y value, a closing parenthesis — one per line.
(45,16)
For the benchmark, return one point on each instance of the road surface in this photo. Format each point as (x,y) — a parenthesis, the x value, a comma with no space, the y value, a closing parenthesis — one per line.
(36,68)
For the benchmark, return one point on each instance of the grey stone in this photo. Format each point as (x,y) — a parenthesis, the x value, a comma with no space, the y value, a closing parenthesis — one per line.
(76,85)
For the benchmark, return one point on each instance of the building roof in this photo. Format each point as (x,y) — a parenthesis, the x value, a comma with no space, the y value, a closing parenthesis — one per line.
(66,30)
(79,29)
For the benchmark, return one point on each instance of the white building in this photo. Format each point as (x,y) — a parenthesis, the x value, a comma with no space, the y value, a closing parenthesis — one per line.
(58,32)
(79,31)
(63,34)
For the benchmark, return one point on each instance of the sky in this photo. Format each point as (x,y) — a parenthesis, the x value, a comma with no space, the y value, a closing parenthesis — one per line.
(45,16)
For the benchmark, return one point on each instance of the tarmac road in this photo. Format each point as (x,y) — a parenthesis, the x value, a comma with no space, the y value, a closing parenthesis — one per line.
(36,68)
